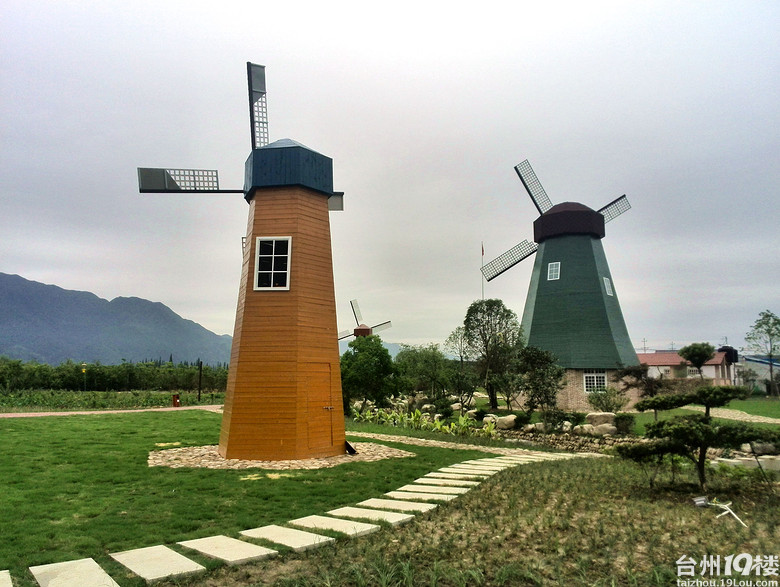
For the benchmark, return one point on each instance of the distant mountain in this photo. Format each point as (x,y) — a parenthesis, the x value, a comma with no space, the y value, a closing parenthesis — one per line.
(49,324)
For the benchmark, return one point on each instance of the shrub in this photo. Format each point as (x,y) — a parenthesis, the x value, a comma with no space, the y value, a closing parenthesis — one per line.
(609,399)
(576,418)
(624,423)
(521,419)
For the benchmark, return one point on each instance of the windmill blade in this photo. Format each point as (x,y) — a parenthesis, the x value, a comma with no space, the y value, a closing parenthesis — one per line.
(345,334)
(356,312)
(509,259)
(615,208)
(168,181)
(258,111)
(533,186)
(381,327)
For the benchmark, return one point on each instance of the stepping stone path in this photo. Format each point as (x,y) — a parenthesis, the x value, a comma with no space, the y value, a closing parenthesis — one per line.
(84,572)
(396,507)
(230,550)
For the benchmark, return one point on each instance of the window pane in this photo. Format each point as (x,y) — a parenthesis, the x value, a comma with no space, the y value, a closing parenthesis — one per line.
(264,263)
(553,270)
(265,248)
(280,279)
(264,280)
(280,264)
(281,248)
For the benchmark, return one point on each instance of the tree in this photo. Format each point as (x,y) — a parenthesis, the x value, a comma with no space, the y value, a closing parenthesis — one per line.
(692,435)
(493,333)
(425,366)
(764,338)
(366,372)
(638,377)
(541,378)
(697,354)
(463,378)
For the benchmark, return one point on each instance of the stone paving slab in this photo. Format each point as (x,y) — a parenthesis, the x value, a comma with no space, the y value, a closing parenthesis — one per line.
(298,540)
(156,562)
(467,471)
(399,505)
(420,496)
(486,465)
(230,550)
(444,475)
(79,573)
(393,518)
(438,489)
(478,469)
(452,482)
(347,527)
(5,579)
(474,469)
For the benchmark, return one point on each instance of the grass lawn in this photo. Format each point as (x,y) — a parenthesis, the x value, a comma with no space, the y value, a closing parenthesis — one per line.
(584,522)
(769,407)
(79,486)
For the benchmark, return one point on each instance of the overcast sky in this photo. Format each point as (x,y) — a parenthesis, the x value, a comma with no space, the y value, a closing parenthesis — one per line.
(425,108)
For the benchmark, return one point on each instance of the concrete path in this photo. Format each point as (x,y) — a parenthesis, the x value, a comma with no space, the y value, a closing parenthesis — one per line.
(396,507)
(730,414)
(213,408)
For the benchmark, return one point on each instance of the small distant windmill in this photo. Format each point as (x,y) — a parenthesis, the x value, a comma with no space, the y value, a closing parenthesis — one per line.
(283,398)
(362,329)
(571,309)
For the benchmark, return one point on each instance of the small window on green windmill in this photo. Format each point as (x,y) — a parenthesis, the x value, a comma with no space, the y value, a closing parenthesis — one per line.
(554,271)
(608,286)
(272,263)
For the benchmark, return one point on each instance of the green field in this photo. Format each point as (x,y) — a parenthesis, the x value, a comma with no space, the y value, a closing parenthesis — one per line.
(79,486)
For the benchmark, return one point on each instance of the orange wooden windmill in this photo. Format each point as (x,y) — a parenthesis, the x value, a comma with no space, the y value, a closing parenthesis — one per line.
(283,396)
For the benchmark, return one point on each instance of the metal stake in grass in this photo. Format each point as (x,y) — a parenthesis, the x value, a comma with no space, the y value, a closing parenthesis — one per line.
(704,502)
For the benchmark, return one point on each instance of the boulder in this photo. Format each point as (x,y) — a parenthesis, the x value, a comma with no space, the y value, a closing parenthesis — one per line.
(472,414)
(456,407)
(506,422)
(760,448)
(596,418)
(566,426)
(583,429)
(428,409)
(539,426)
(529,428)
(604,429)
(490,418)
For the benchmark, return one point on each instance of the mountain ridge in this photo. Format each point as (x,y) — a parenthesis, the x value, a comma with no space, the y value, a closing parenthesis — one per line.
(49,324)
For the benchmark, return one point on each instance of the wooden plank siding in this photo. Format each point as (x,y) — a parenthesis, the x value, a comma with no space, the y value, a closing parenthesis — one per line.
(283,396)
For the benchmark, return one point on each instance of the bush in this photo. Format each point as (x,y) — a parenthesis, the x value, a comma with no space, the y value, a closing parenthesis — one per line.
(609,399)
(576,418)
(521,419)
(624,423)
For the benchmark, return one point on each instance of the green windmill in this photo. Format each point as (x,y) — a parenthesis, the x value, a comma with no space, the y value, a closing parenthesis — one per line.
(572,308)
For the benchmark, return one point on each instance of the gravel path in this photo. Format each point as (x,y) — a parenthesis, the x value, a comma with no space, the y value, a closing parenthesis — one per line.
(87,412)
(735,415)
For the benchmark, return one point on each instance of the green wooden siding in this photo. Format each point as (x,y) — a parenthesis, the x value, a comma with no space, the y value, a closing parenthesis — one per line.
(573,317)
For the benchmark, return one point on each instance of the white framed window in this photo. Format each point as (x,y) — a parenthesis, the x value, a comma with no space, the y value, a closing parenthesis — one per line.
(553,270)
(667,371)
(693,372)
(272,263)
(608,286)
(595,380)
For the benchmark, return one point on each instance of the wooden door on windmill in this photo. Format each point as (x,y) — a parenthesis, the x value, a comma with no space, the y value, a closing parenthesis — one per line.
(318,389)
